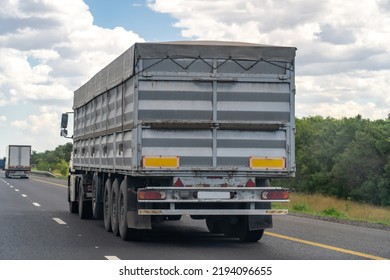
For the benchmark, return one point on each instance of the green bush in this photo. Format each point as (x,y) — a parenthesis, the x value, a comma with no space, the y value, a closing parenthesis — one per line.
(332,212)
(300,208)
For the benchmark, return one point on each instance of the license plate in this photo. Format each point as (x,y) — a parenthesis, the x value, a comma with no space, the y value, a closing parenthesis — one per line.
(213,195)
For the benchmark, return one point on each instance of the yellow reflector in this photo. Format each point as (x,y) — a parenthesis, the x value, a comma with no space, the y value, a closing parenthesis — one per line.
(161,162)
(267,163)
(277,212)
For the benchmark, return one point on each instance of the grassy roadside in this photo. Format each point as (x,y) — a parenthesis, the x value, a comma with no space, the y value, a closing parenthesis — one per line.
(328,207)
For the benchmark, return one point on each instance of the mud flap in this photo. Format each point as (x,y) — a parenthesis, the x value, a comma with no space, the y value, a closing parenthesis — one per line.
(256,222)
(133,219)
(138,221)
(259,222)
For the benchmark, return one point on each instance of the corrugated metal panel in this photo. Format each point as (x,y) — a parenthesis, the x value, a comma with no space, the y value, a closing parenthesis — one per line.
(127,150)
(234,148)
(110,151)
(194,147)
(112,110)
(128,102)
(244,101)
(103,147)
(89,118)
(95,152)
(163,100)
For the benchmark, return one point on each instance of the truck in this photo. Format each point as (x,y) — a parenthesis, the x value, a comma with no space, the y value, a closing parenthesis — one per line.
(190,128)
(2,163)
(17,163)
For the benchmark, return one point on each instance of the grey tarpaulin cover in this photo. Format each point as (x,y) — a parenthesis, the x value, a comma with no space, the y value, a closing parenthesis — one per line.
(122,67)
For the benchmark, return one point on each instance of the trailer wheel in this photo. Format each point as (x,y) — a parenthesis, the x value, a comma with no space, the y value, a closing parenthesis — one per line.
(174,217)
(73,205)
(115,207)
(246,235)
(213,226)
(97,205)
(107,205)
(85,207)
(128,234)
(251,236)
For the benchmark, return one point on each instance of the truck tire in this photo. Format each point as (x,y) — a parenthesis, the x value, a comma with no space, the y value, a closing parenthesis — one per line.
(73,205)
(213,226)
(115,207)
(126,233)
(107,205)
(97,204)
(246,235)
(85,206)
(251,236)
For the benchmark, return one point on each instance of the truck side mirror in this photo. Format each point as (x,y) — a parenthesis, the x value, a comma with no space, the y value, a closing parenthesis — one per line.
(64,120)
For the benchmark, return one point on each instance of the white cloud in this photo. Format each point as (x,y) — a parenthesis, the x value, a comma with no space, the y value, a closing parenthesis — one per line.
(48,49)
(344,95)
(51,47)
(41,130)
(343,57)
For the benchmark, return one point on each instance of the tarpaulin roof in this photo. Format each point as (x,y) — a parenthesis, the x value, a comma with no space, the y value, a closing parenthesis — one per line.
(122,67)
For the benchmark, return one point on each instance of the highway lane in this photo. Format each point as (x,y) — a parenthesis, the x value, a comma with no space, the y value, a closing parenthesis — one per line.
(35,224)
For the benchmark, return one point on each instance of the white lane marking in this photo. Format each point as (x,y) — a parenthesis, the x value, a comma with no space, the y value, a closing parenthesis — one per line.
(58,220)
(36,204)
(112,258)
(10,186)
(16,190)
(24,195)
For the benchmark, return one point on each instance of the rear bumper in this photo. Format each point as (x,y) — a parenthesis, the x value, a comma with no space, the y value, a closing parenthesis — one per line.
(17,173)
(212,201)
(212,212)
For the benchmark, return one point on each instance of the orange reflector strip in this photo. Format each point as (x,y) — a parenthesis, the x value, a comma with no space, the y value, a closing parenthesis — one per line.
(267,163)
(160,162)
(275,194)
(151,195)
(277,211)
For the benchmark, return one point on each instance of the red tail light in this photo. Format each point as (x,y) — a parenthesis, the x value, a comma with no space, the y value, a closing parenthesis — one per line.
(250,184)
(274,194)
(151,195)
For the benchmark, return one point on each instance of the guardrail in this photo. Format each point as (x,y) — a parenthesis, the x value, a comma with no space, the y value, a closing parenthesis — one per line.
(43,173)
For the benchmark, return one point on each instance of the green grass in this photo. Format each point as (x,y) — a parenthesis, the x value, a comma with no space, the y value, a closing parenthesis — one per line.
(323,206)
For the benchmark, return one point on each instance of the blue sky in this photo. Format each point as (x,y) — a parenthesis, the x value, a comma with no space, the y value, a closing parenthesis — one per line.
(136,16)
(49,48)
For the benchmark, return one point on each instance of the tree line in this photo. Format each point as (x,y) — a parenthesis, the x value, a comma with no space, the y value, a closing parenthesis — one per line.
(56,161)
(347,158)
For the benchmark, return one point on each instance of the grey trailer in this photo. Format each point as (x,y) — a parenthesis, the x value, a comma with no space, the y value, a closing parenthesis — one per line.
(18,161)
(185,128)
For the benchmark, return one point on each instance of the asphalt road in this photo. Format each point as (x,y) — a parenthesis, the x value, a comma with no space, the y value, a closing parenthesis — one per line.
(35,225)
